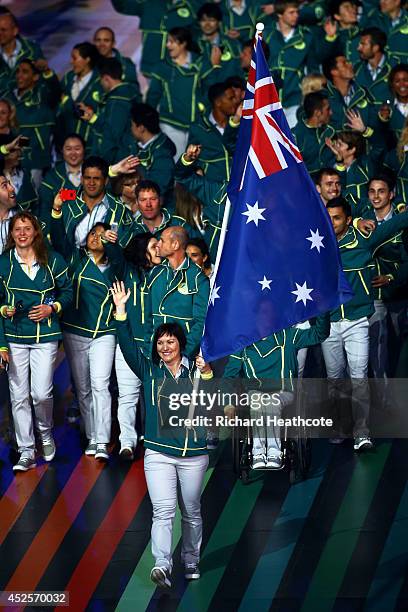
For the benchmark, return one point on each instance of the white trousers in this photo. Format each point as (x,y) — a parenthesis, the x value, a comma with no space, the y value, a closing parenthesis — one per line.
(30,374)
(179,138)
(91,363)
(379,340)
(129,390)
(266,439)
(347,348)
(165,475)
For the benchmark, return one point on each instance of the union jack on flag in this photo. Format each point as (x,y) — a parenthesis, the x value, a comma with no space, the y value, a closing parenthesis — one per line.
(280,264)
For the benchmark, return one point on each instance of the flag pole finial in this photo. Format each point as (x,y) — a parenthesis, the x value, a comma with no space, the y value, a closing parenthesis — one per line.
(260,27)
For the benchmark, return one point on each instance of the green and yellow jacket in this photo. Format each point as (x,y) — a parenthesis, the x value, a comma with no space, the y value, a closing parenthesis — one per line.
(345,42)
(157,17)
(139,227)
(400,167)
(17,289)
(311,142)
(179,296)
(213,196)
(90,313)
(29,50)
(245,23)
(391,259)
(136,281)
(73,212)
(397,35)
(36,120)
(229,66)
(354,180)
(290,59)
(217,149)
(54,180)
(68,121)
(129,74)
(159,383)
(177,92)
(274,358)
(27,198)
(156,160)
(378,91)
(357,251)
(111,122)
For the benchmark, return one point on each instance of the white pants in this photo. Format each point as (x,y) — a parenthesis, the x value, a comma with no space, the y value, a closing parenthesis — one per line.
(379,340)
(347,347)
(91,363)
(302,353)
(129,391)
(266,439)
(179,138)
(164,475)
(30,373)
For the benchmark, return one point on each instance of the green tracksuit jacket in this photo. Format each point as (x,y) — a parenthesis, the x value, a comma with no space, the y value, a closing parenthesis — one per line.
(17,289)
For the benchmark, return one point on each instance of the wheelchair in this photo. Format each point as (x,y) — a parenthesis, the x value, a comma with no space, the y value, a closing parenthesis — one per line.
(296,452)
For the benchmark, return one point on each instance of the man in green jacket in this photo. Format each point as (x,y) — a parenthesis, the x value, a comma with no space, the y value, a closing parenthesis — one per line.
(153,218)
(104,41)
(392,19)
(312,131)
(217,133)
(111,121)
(348,343)
(374,67)
(14,48)
(178,291)
(152,147)
(93,204)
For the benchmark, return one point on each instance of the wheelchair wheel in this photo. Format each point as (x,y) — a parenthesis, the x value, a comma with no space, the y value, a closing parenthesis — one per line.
(236,451)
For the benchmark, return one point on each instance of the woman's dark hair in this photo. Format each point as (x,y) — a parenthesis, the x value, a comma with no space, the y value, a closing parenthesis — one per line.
(201,244)
(394,70)
(105,226)
(353,139)
(182,35)
(168,329)
(39,246)
(87,49)
(136,251)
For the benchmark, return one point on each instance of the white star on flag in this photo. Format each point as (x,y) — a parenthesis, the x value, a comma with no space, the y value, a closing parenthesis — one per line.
(302,293)
(265,283)
(214,294)
(316,240)
(254,213)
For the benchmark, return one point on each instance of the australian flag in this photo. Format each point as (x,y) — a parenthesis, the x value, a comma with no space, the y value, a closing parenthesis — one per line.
(280,264)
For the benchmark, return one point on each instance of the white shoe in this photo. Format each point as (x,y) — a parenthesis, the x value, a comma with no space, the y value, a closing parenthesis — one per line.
(362,443)
(49,450)
(161,577)
(258,462)
(274,461)
(24,464)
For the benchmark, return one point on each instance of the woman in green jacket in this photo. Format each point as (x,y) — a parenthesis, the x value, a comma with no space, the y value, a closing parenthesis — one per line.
(175,454)
(89,333)
(34,289)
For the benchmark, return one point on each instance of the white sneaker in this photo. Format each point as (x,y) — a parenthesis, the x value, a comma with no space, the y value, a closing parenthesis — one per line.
(24,464)
(274,461)
(161,577)
(49,450)
(362,443)
(258,462)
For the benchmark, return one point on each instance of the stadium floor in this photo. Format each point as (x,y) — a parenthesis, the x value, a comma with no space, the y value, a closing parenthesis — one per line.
(337,541)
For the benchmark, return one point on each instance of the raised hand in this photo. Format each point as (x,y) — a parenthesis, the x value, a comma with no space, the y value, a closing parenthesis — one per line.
(120,296)
(192,152)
